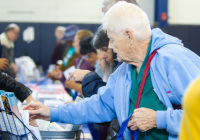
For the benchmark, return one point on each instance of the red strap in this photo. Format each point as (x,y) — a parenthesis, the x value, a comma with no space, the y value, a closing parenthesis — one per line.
(146,70)
(144,77)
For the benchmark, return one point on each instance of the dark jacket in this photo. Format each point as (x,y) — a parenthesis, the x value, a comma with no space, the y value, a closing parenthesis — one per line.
(92,82)
(6,51)
(9,84)
(57,54)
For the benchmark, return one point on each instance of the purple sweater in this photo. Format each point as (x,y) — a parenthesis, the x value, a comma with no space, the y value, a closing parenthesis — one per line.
(84,65)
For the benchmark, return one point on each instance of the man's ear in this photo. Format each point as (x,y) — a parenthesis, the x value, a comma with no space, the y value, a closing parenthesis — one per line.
(129,34)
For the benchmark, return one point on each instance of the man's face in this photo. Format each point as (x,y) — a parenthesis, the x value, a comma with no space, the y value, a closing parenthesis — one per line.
(13,34)
(121,46)
(107,54)
(92,58)
(118,44)
(59,35)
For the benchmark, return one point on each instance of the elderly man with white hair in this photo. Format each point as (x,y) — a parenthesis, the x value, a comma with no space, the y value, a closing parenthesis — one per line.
(148,86)
(7,39)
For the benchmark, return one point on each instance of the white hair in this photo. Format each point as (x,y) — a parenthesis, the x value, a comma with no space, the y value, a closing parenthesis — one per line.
(60,29)
(126,16)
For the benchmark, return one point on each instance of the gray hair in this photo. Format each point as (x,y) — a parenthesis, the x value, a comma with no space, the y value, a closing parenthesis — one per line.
(106,4)
(100,39)
(11,27)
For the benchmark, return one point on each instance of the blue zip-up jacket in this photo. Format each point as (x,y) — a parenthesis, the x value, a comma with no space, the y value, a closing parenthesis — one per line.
(172,69)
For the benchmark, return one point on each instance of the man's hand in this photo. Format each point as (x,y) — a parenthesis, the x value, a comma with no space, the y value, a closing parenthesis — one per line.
(3,64)
(70,84)
(143,119)
(55,74)
(78,75)
(13,69)
(38,111)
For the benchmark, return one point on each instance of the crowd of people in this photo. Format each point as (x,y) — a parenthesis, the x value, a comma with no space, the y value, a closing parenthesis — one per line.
(129,75)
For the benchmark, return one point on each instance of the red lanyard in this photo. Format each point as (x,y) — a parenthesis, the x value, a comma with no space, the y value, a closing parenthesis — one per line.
(144,77)
(125,123)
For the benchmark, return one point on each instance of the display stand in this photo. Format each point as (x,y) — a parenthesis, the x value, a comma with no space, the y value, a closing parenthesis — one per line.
(5,135)
(9,135)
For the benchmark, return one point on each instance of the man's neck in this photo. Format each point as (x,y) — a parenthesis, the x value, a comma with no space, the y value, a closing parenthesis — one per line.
(142,52)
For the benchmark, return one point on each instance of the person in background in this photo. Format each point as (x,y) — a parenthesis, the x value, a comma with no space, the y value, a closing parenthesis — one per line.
(58,51)
(69,54)
(86,49)
(171,70)
(81,63)
(99,67)
(7,39)
(190,124)
(89,52)
(3,64)
(92,81)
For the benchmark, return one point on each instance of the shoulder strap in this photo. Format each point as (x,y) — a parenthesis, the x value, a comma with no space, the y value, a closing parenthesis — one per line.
(146,70)
(125,123)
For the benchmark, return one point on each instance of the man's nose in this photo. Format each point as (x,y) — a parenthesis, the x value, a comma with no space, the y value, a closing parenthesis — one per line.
(103,56)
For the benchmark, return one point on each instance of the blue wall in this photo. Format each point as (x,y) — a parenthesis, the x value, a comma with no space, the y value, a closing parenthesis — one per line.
(41,48)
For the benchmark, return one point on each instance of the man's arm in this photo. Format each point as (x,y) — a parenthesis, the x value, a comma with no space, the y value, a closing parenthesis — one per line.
(99,108)
(91,83)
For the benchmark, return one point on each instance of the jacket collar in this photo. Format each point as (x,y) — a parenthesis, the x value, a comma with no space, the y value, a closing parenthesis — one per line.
(5,41)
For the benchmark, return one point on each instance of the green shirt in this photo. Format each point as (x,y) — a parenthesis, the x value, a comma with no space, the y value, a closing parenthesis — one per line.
(149,99)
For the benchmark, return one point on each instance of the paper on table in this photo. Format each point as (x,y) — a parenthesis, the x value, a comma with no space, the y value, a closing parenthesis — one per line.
(47,126)
(34,130)
(69,71)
